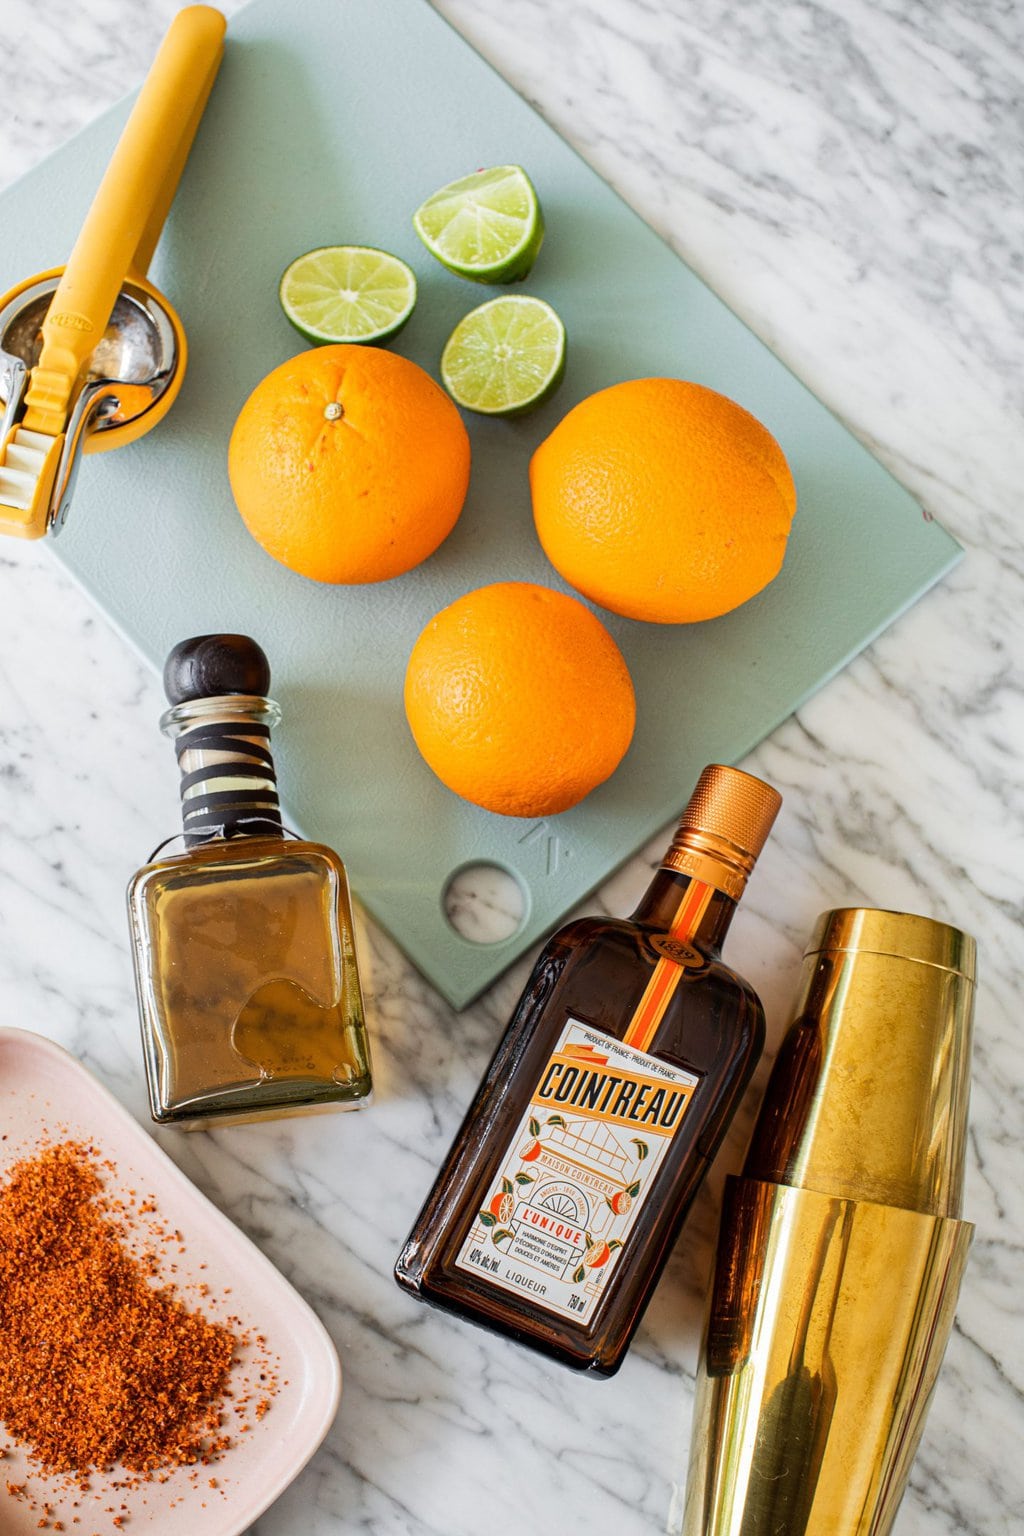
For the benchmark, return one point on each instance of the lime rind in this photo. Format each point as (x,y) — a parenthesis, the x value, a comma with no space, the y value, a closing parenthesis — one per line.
(348,293)
(505,357)
(487,227)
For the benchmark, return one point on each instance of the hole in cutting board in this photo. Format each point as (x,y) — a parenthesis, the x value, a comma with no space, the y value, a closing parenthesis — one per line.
(484,903)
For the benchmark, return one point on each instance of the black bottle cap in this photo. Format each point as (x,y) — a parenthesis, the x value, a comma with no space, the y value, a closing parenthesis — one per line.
(209,665)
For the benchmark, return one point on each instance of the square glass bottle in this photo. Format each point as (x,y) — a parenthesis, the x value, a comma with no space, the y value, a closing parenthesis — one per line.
(245,964)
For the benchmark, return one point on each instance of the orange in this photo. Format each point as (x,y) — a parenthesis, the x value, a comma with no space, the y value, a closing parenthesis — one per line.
(596,1255)
(349,464)
(519,699)
(501,1208)
(663,500)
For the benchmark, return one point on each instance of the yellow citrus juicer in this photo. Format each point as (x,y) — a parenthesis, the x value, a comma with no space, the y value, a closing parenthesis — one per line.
(92,355)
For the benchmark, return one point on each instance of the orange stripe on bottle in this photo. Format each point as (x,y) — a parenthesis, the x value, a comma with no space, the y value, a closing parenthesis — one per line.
(666,976)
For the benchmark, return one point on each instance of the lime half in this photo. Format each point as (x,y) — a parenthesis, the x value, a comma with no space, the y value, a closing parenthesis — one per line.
(348,293)
(487,227)
(505,357)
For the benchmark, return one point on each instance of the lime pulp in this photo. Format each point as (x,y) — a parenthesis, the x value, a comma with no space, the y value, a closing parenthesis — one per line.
(505,357)
(487,227)
(349,293)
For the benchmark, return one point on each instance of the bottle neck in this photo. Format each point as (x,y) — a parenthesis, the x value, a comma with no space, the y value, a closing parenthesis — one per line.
(686,908)
(228,781)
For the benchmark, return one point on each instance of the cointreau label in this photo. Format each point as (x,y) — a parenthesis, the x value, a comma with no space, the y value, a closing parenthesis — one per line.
(576,1172)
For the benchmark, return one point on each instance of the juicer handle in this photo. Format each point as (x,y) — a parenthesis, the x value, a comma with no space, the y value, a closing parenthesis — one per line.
(124,222)
(205,48)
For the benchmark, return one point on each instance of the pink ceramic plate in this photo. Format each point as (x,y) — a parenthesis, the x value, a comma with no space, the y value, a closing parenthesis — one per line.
(46,1095)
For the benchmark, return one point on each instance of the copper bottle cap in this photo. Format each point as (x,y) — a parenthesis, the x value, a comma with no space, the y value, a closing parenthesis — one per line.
(724,828)
(842,1247)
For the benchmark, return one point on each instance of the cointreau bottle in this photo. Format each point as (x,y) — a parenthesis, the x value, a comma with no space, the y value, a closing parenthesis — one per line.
(245,963)
(604,1105)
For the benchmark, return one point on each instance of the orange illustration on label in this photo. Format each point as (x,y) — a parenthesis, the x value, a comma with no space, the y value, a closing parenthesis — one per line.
(577,1171)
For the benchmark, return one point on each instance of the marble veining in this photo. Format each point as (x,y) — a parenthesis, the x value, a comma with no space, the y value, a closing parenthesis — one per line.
(849,178)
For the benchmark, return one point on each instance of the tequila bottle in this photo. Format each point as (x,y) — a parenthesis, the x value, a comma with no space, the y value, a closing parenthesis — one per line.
(245,962)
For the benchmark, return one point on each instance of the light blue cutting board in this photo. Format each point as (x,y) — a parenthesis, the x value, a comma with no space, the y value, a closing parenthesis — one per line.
(330,122)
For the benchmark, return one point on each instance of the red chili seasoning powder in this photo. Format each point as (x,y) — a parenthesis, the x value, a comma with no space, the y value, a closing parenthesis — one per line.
(99,1363)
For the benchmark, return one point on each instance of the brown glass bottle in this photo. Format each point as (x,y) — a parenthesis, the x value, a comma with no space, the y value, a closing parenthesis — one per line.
(573,1171)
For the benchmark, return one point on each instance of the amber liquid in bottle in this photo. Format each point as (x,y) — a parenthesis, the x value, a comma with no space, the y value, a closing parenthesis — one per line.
(567,1185)
(247,976)
(249,995)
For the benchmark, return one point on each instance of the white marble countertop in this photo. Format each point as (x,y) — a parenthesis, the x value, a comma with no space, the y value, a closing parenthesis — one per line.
(850,179)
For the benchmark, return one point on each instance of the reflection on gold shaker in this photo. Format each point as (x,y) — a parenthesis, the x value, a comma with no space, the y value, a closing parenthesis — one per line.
(841,1250)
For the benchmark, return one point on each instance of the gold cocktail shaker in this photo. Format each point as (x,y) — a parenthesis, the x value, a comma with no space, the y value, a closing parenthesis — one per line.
(841,1248)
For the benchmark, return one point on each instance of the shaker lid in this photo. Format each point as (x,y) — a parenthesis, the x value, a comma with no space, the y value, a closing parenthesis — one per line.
(869,1095)
(870,930)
